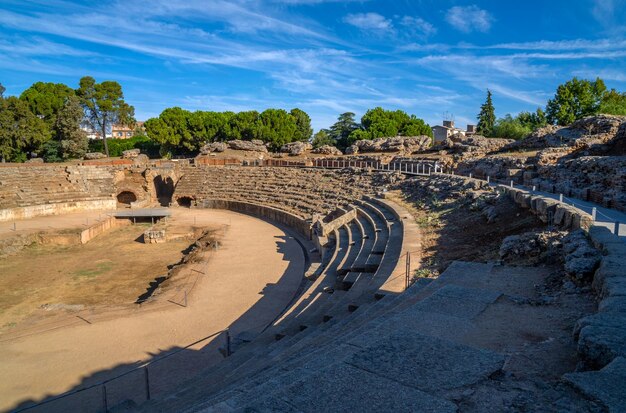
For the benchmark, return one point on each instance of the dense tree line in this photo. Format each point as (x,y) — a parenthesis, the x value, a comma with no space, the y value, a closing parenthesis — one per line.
(376,123)
(573,100)
(182,131)
(45,120)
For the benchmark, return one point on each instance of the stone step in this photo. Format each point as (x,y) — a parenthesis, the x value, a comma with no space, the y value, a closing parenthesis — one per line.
(606,386)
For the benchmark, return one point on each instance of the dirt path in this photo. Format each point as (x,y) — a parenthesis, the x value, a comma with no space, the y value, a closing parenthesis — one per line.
(253,254)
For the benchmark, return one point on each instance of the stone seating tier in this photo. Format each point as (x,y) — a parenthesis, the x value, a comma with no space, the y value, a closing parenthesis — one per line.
(28,186)
(300,191)
(316,310)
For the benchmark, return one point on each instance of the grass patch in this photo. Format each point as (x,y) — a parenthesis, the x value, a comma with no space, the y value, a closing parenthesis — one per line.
(99,269)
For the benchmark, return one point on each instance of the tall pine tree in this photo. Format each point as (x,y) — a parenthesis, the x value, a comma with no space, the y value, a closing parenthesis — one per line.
(486,117)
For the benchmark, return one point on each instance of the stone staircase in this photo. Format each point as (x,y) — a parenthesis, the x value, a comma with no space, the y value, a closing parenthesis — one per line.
(427,349)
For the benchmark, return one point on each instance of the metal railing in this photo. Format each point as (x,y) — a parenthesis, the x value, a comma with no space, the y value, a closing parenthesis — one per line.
(135,384)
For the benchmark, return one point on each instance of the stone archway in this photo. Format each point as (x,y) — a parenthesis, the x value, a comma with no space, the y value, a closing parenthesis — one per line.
(184,201)
(164,188)
(126,197)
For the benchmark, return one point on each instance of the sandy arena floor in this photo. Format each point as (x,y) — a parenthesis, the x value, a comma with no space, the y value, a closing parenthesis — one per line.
(254,255)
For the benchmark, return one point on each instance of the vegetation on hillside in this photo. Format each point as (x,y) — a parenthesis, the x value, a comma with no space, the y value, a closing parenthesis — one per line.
(180,131)
(376,123)
(573,100)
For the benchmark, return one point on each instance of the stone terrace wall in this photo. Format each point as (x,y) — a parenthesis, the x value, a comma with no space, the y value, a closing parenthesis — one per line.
(302,226)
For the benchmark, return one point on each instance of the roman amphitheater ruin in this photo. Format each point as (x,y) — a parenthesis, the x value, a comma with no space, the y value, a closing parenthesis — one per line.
(380,281)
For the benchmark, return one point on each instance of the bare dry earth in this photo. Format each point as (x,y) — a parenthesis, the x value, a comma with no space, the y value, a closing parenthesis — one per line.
(253,255)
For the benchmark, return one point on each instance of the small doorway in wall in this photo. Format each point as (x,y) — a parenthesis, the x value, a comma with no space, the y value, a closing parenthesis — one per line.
(184,201)
(126,197)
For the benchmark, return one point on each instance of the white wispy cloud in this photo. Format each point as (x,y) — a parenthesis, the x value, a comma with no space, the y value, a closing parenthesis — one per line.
(469,18)
(369,21)
(418,26)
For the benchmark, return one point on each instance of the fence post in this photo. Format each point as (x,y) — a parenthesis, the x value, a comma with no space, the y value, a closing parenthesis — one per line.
(470,175)
(429,171)
(407,270)
(616,229)
(227,343)
(593,214)
(147,377)
(534,188)
(511,183)
(487,178)
(104,398)
(560,197)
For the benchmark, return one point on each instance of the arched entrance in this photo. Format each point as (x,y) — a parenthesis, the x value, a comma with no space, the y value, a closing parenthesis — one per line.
(164,187)
(126,197)
(184,201)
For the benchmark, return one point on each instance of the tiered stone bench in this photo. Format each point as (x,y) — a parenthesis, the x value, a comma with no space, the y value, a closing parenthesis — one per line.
(29,191)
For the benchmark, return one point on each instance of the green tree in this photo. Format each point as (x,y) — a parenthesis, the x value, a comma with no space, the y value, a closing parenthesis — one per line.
(46,100)
(486,117)
(277,127)
(613,103)
(104,105)
(341,130)
(72,139)
(2,90)
(303,124)
(510,128)
(322,138)
(244,125)
(532,120)
(171,130)
(416,127)
(574,100)
(381,123)
(21,132)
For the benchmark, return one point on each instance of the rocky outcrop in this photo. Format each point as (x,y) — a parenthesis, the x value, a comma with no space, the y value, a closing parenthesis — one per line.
(94,155)
(327,150)
(531,248)
(403,144)
(296,148)
(254,145)
(494,166)
(599,178)
(472,146)
(581,258)
(213,147)
(130,153)
(580,135)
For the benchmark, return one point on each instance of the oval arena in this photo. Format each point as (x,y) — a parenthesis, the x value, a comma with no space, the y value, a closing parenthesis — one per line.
(292,286)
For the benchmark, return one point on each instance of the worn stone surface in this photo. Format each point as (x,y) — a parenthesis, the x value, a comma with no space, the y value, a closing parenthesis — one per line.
(343,387)
(608,386)
(416,360)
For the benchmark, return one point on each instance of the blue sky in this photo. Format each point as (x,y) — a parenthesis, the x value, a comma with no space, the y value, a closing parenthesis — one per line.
(425,57)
